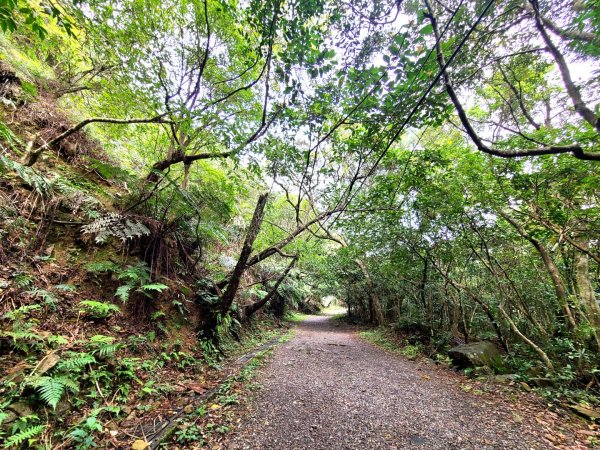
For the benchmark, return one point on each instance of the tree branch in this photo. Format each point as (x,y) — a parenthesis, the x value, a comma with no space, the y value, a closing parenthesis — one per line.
(575,149)
(31,156)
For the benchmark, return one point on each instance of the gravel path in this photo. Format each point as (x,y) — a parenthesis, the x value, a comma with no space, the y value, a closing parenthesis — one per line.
(328,389)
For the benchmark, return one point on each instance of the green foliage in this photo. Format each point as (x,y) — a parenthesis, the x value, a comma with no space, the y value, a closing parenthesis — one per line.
(48,297)
(29,89)
(103,346)
(25,435)
(102,267)
(83,434)
(29,176)
(14,13)
(51,389)
(137,278)
(20,313)
(97,309)
(75,362)
(188,434)
(66,287)
(9,137)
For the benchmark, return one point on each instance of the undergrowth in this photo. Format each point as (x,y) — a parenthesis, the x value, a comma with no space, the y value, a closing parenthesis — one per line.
(385,339)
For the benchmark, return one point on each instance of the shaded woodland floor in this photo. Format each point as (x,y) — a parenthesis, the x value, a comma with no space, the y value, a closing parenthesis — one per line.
(329,389)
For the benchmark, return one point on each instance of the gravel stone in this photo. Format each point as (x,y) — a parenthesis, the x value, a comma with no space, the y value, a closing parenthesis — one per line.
(328,389)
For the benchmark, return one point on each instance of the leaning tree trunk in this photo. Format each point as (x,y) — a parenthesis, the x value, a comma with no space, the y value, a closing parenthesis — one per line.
(254,307)
(209,313)
(536,348)
(553,271)
(240,267)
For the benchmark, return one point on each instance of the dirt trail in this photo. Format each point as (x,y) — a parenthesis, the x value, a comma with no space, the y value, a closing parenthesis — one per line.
(328,389)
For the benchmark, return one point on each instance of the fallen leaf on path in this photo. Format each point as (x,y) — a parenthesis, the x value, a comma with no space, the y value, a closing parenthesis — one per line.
(196,387)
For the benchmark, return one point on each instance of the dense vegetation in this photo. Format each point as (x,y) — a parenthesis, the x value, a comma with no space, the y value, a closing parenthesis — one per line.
(170,170)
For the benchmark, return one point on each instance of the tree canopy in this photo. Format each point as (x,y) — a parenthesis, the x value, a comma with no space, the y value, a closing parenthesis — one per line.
(432,164)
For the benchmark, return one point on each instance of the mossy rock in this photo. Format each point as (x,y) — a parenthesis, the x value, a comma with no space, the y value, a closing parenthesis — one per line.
(476,354)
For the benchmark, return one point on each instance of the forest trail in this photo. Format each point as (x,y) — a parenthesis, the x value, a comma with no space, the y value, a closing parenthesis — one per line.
(328,389)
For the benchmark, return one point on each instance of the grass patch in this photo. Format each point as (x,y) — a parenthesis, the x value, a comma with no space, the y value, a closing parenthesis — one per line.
(295,317)
(388,341)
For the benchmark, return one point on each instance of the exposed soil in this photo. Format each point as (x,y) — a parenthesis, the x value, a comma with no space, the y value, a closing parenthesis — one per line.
(329,389)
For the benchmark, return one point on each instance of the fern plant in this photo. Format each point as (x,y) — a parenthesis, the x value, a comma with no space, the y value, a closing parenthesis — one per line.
(75,362)
(20,313)
(98,310)
(51,389)
(83,434)
(103,346)
(102,267)
(21,333)
(115,225)
(26,435)
(137,278)
(48,297)
(29,176)
(9,137)
(66,287)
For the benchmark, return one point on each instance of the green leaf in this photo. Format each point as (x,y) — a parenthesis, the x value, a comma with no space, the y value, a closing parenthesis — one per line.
(123,292)
(427,29)
(158,287)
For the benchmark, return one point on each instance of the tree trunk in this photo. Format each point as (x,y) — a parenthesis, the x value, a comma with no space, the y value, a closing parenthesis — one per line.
(278,247)
(559,286)
(525,339)
(586,292)
(376,311)
(254,307)
(32,155)
(240,267)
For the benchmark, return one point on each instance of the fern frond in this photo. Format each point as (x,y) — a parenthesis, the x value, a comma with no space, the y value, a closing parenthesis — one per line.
(76,362)
(51,389)
(102,339)
(101,267)
(103,346)
(115,225)
(48,297)
(68,383)
(22,335)
(107,350)
(21,312)
(66,287)
(24,435)
(123,292)
(97,309)
(28,175)
(157,287)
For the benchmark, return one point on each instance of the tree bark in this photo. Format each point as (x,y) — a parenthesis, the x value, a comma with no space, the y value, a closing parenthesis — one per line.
(559,286)
(376,310)
(234,281)
(181,157)
(525,339)
(586,292)
(254,307)
(277,248)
